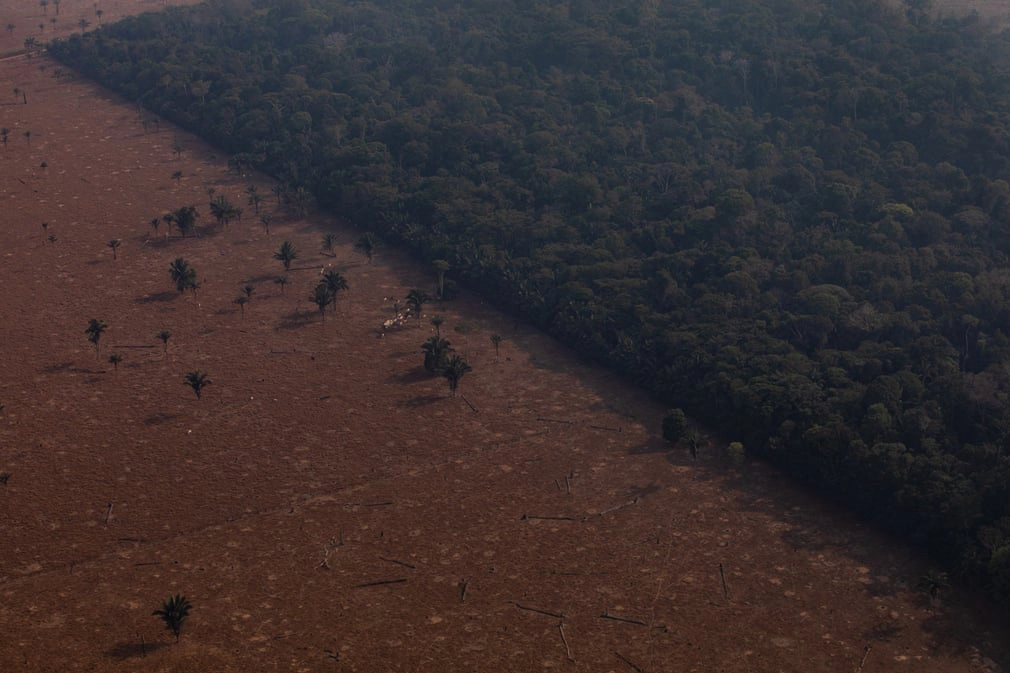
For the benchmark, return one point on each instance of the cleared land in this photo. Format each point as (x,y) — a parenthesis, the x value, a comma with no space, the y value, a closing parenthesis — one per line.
(327,505)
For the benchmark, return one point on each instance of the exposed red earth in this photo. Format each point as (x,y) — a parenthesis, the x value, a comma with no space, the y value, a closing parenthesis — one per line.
(327,505)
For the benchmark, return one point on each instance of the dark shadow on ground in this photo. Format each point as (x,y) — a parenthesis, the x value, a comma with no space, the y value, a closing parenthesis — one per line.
(297,320)
(130,650)
(156,297)
(415,375)
(57,367)
(421,401)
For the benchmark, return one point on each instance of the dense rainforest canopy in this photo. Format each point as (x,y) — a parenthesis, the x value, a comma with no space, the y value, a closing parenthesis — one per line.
(790,218)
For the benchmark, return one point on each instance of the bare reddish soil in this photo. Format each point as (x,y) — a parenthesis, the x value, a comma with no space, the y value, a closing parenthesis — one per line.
(327,506)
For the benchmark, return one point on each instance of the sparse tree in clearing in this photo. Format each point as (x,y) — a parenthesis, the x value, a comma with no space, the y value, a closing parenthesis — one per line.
(328,242)
(197,380)
(44,4)
(177,176)
(496,340)
(416,299)
(366,246)
(155,222)
(322,296)
(223,210)
(42,27)
(45,228)
(242,300)
(10,28)
(441,266)
(933,584)
(114,360)
(83,24)
(437,322)
(183,275)
(52,238)
(28,137)
(265,220)
(98,13)
(335,281)
(174,612)
(184,219)
(44,165)
(4,132)
(255,198)
(164,335)
(278,191)
(56,3)
(52,22)
(177,149)
(453,372)
(94,330)
(286,254)
(248,291)
(436,354)
(282,281)
(114,245)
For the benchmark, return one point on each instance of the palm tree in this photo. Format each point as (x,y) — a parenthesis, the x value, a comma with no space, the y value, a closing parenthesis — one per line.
(366,246)
(282,281)
(197,380)
(4,132)
(255,198)
(436,354)
(441,266)
(454,370)
(223,210)
(155,222)
(94,331)
(114,244)
(265,219)
(328,241)
(286,254)
(242,300)
(184,219)
(335,281)
(415,300)
(496,340)
(322,296)
(83,24)
(437,321)
(165,335)
(183,275)
(248,291)
(114,360)
(177,176)
(174,613)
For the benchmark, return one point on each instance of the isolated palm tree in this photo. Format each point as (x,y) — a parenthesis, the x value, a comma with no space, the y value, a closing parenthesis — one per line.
(454,370)
(177,176)
(94,331)
(183,275)
(286,254)
(155,222)
(114,244)
(322,296)
(265,220)
(328,242)
(184,218)
(197,380)
(165,335)
(248,291)
(114,360)
(174,613)
(335,281)
(223,210)
(496,340)
(242,300)
(437,321)
(415,300)
(436,354)
(282,281)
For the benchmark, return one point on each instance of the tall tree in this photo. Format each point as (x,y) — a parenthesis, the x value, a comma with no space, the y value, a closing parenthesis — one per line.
(164,335)
(286,254)
(366,246)
(322,296)
(174,612)
(455,368)
(183,275)
(436,354)
(114,245)
(441,266)
(334,280)
(94,330)
(496,340)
